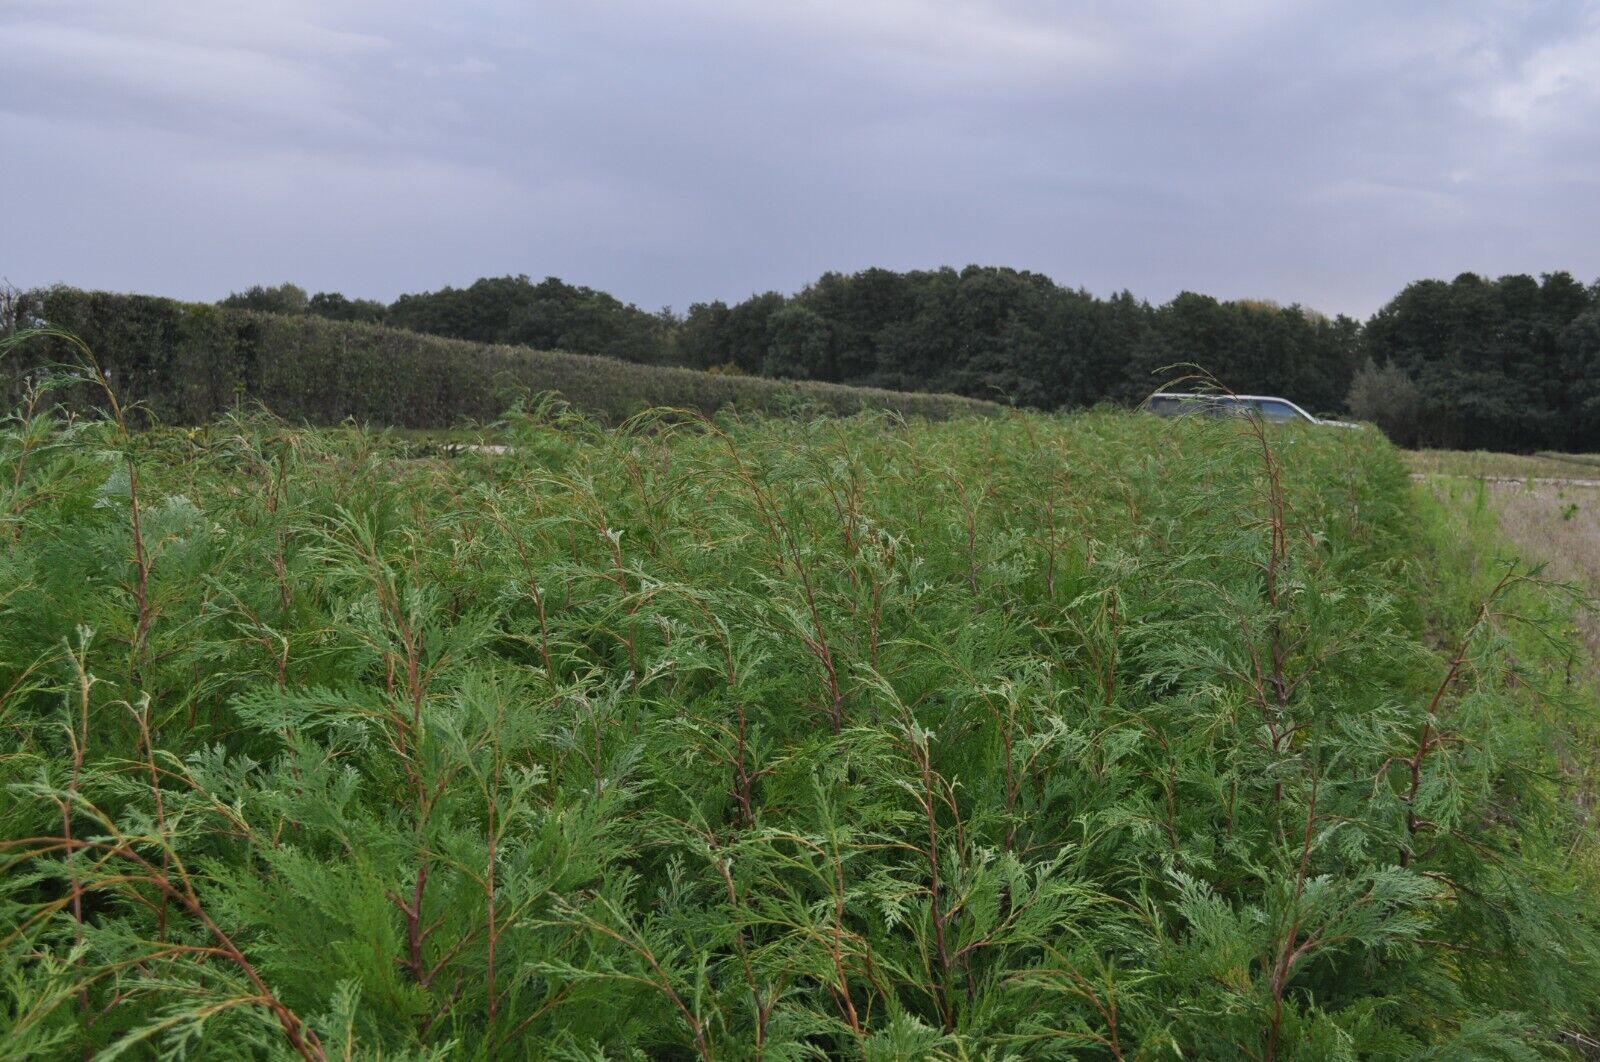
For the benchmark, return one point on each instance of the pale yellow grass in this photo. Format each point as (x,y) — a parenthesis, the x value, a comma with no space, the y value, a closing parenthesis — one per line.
(1483,464)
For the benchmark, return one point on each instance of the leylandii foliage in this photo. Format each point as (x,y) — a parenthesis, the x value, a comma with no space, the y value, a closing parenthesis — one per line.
(1013,738)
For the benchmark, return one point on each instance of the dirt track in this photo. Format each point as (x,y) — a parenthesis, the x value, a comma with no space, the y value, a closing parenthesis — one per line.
(1515,481)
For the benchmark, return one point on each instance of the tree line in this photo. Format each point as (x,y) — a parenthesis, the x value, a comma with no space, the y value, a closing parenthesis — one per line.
(1506,364)
(548,315)
(183,363)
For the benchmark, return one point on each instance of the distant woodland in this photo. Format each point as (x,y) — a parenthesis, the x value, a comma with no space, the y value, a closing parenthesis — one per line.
(1502,364)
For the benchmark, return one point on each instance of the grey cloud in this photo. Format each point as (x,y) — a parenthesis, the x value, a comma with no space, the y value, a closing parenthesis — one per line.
(1306,151)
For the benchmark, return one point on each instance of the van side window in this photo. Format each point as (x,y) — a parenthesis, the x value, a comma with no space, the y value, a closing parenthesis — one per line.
(1277,411)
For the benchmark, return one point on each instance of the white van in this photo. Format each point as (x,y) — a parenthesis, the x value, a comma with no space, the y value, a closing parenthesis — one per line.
(1269,407)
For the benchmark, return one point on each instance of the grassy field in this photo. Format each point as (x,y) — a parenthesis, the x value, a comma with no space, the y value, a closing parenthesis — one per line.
(1009,737)
(1550,528)
(1553,520)
(1482,463)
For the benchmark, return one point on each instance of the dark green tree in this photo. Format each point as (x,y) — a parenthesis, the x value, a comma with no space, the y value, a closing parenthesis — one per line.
(336,307)
(284,298)
(798,347)
(549,315)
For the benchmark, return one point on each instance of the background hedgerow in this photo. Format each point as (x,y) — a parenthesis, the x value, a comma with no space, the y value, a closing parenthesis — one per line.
(1011,737)
(186,363)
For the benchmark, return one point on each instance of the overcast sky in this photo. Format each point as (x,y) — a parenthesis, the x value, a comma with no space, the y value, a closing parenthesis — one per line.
(673,151)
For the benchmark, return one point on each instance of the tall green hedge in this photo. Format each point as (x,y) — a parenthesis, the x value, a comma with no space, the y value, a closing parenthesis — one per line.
(186,363)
